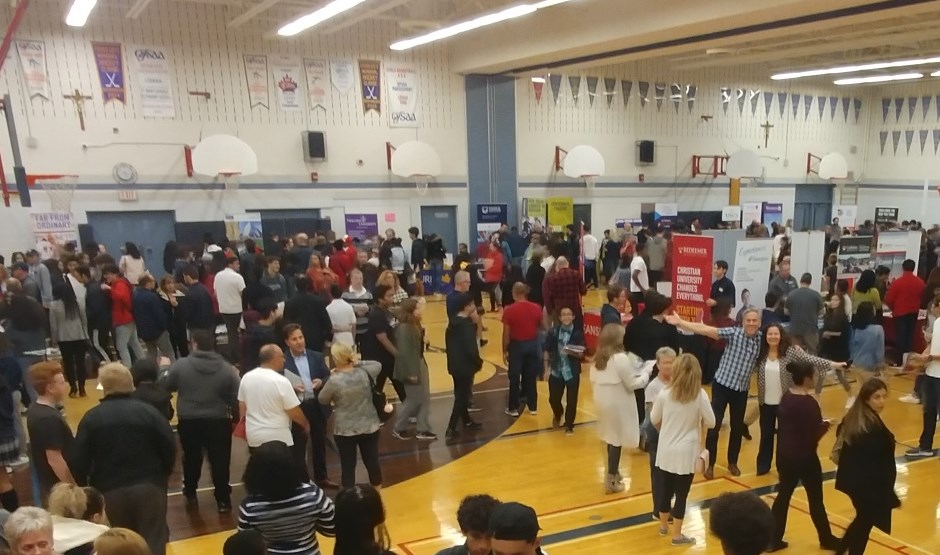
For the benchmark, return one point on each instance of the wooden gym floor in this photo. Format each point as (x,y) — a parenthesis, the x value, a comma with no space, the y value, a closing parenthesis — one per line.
(560,476)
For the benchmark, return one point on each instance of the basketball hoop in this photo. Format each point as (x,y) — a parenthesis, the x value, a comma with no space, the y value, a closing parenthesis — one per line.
(422,182)
(61,190)
(589,180)
(230,179)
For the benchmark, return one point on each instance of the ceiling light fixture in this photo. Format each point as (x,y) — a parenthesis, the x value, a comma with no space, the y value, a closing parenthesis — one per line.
(935,74)
(482,21)
(855,68)
(878,79)
(538,80)
(79,12)
(317,17)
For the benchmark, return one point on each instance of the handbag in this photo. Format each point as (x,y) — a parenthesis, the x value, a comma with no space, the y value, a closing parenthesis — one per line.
(240,430)
(383,409)
(837,447)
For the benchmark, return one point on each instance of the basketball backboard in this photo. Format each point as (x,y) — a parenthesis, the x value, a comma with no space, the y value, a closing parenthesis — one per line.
(224,154)
(744,164)
(833,166)
(415,158)
(582,161)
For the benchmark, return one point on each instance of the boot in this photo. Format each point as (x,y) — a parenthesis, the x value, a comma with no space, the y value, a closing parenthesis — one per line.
(612,485)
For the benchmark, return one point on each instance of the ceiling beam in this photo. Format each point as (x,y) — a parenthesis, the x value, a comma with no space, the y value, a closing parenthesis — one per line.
(251,12)
(387,5)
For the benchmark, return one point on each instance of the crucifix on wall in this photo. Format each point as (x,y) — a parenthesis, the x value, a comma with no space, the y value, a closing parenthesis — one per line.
(767,127)
(79,99)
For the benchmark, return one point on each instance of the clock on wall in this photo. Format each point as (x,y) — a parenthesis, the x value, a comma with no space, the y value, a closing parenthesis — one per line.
(124,173)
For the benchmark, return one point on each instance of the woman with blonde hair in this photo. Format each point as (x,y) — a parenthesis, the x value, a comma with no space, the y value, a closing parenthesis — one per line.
(355,421)
(679,412)
(412,371)
(78,518)
(615,376)
(121,541)
(390,279)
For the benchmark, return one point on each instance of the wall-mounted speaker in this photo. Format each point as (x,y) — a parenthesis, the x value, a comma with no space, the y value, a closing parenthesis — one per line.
(645,153)
(314,144)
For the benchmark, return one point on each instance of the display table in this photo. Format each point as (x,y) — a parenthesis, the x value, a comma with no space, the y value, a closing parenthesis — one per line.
(592,326)
(887,322)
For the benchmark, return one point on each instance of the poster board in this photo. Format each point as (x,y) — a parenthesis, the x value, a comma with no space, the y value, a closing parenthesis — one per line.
(751,212)
(52,230)
(489,219)
(886,215)
(855,256)
(692,257)
(808,252)
(560,213)
(772,212)
(534,214)
(847,214)
(753,257)
(892,248)
(726,242)
(362,226)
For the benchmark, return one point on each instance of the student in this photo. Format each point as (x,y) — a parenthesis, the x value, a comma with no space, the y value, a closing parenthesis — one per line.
(867,345)
(917,395)
(742,522)
(564,351)
(929,391)
(722,286)
(866,291)
(834,341)
(69,330)
(51,436)
(473,518)
(412,370)
(463,361)
(665,357)
(514,529)
(360,523)
(618,307)
(145,372)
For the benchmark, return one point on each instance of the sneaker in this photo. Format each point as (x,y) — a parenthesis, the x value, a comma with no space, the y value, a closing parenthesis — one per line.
(22,460)
(918,453)
(191,500)
(400,435)
(910,399)
(512,412)
(683,540)
(224,507)
(569,431)
(849,402)
(533,412)
(426,436)
(474,409)
(451,434)
(473,426)
(556,422)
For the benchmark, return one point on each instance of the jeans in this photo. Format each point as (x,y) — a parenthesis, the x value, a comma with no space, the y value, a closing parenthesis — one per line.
(840,375)
(232,323)
(524,365)
(368,445)
(725,398)
(313,410)
(141,508)
(768,428)
(590,272)
(126,342)
(161,346)
(100,340)
(809,472)
(904,329)
(417,403)
(436,267)
(557,387)
(678,486)
(463,386)
(212,436)
(809,341)
(73,362)
(931,401)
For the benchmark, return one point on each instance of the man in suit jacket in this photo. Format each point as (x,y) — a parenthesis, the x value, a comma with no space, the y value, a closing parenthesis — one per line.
(307,371)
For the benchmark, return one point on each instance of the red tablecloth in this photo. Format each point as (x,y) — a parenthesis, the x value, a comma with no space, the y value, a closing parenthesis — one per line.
(887,322)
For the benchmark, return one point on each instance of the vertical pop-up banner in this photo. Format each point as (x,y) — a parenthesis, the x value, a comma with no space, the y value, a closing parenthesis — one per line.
(489,219)
(691,275)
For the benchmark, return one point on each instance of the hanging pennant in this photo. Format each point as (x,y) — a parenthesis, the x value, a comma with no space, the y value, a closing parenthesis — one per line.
(610,84)
(936,103)
(885,108)
(883,137)
(554,81)
(782,102)
(342,74)
(936,140)
(911,107)
(795,104)
(286,71)
(675,95)
(318,83)
(110,64)
(660,95)
(370,77)
(845,108)
(857,102)
(908,139)
(592,88)
(768,102)
(896,139)
(821,104)
(833,106)
(574,83)
(690,93)
(898,106)
(925,106)
(644,90)
(538,85)
(753,96)
(739,95)
(32,54)
(807,106)
(401,83)
(256,71)
(151,65)
(923,139)
(627,87)
(725,98)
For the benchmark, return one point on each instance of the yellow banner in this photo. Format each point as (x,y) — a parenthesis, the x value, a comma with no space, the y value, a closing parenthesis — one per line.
(560,212)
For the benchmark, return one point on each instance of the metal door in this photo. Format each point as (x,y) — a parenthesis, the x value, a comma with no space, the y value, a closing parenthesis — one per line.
(149,230)
(582,213)
(441,220)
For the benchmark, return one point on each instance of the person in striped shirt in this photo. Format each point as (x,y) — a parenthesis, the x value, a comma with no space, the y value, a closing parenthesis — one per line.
(361,300)
(288,511)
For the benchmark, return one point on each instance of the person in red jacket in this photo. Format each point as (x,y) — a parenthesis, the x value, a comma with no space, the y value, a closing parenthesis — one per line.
(122,317)
(904,296)
(341,264)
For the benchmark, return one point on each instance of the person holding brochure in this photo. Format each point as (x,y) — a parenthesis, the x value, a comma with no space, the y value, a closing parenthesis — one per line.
(564,351)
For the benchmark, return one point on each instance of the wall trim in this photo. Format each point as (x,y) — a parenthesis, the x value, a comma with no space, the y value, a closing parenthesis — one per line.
(218,186)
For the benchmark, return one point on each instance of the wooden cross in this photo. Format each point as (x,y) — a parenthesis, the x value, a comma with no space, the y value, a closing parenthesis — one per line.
(767,127)
(79,99)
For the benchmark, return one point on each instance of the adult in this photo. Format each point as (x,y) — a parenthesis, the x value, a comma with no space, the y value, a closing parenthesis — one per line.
(801,426)
(473,519)
(197,304)
(309,311)
(121,541)
(145,372)
(563,289)
(722,286)
(867,470)
(287,510)
(153,325)
(320,276)
(436,253)
(783,283)
(618,306)
(131,263)
(28,531)
(535,277)
(865,291)
(929,393)
(615,376)
(656,248)
(590,250)
(882,275)
(228,285)
(393,282)
(639,274)
(867,345)
(834,341)
(493,265)
(379,343)
(419,251)
(514,529)
(647,333)
(77,276)
(341,263)
(742,522)
(171,298)
(311,374)
(50,433)
(258,334)
(78,518)
(122,316)
(20,272)
(463,361)
(355,422)
(69,330)
(411,370)
(679,412)
(564,351)
(206,389)
(274,280)
(360,523)
(804,307)
(342,317)
(41,275)
(126,450)
(267,401)
(904,299)
(360,298)
(731,382)
(522,322)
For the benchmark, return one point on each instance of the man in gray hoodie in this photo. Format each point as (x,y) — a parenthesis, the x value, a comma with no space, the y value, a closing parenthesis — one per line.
(206,407)
(656,251)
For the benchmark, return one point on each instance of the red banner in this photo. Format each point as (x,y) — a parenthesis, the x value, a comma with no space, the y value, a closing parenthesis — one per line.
(692,257)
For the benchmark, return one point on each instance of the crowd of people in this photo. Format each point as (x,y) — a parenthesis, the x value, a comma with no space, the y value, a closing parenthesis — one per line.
(293,345)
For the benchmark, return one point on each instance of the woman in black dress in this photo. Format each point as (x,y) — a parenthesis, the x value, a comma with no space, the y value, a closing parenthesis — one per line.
(834,341)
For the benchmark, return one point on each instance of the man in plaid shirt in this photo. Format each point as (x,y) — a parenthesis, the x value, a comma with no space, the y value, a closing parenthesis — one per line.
(732,380)
(564,289)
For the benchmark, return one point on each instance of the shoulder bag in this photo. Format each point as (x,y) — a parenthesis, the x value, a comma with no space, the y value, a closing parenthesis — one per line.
(383,409)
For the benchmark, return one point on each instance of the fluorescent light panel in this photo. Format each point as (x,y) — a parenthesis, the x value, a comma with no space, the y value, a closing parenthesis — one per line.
(878,79)
(317,17)
(482,21)
(79,12)
(855,68)
(935,74)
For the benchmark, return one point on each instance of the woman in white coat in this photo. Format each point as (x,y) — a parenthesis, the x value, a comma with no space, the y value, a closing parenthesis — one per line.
(679,413)
(615,376)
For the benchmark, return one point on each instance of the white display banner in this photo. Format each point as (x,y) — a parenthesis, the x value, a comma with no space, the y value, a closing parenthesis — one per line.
(751,212)
(808,250)
(318,83)
(731,214)
(401,84)
(32,55)
(256,72)
(343,76)
(151,65)
(52,230)
(751,266)
(847,215)
(286,73)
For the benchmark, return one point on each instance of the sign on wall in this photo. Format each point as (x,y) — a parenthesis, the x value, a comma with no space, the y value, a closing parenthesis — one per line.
(152,67)
(848,215)
(110,64)
(362,226)
(665,213)
(318,83)
(887,216)
(534,212)
(751,263)
(560,213)
(32,54)
(256,72)
(855,256)
(731,214)
(370,77)
(402,84)
(287,83)
(691,275)
(52,230)
(341,73)
(489,218)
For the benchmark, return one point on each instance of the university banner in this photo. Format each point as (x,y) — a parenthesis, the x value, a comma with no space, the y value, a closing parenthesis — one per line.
(533,213)
(489,219)
(560,213)
(341,74)
(692,258)
(53,230)
(402,84)
(286,73)
(751,212)
(256,72)
(666,213)
(152,69)
(370,77)
(772,212)
(751,263)
(110,64)
(362,226)
(32,54)
(318,83)
(884,215)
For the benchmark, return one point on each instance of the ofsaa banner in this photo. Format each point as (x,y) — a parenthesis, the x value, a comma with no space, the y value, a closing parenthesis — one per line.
(402,83)
(286,73)
(32,55)
(152,68)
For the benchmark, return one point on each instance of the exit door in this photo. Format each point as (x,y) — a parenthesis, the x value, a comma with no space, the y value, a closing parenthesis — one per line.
(441,220)
(149,230)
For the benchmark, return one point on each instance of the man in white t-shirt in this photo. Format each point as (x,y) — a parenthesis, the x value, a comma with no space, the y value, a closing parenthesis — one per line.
(228,286)
(343,318)
(930,397)
(639,275)
(268,402)
(590,248)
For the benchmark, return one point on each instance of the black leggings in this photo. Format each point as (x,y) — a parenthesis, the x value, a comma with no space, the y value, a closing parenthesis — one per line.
(73,362)
(386,374)
(856,535)
(677,485)
(368,445)
(613,459)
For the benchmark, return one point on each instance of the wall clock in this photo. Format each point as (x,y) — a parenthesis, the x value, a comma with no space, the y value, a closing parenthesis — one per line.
(124,173)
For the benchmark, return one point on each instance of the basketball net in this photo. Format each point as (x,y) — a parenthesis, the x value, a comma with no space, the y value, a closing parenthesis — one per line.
(422,182)
(60,191)
(589,180)
(230,179)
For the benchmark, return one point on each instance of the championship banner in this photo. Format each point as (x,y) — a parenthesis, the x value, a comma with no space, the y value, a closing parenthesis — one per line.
(402,84)
(152,69)
(342,76)
(489,219)
(560,213)
(32,54)
(362,226)
(286,73)
(692,275)
(318,83)
(370,77)
(751,263)
(52,230)
(885,216)
(256,71)
(533,213)
(772,212)
(110,66)
(854,256)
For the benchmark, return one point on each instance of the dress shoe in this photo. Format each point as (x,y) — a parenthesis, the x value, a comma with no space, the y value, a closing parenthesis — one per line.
(734,470)
(224,506)
(709,473)
(191,500)
(473,425)
(328,484)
